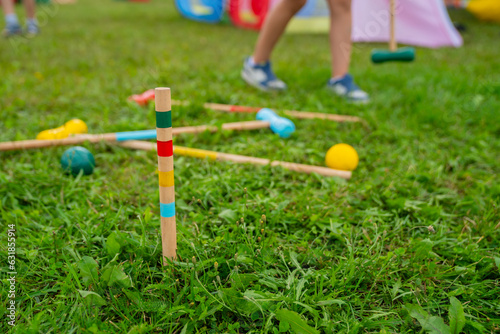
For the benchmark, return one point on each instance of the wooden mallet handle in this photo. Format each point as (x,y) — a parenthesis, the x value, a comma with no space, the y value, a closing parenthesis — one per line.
(393,45)
(34,143)
(130,135)
(212,155)
(292,113)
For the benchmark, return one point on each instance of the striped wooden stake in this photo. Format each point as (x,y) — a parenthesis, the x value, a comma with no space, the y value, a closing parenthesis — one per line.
(166,172)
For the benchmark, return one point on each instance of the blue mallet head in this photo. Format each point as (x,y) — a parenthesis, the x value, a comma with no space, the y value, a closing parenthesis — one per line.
(279,125)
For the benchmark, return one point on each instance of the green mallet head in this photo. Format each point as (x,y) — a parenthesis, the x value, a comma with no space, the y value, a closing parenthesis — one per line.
(401,54)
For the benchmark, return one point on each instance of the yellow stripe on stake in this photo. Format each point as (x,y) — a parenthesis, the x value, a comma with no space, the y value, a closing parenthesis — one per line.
(166,178)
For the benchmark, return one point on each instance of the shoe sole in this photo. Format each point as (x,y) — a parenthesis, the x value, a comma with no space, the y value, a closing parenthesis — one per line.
(256,84)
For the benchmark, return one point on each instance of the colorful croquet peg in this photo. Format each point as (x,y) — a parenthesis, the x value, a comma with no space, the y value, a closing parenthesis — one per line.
(144,98)
(279,125)
(166,172)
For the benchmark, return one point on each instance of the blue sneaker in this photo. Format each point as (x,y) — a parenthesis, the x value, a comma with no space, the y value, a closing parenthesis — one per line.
(32,29)
(347,88)
(12,30)
(261,76)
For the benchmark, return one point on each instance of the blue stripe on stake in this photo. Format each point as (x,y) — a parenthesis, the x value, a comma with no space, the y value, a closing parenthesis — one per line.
(167,210)
(138,135)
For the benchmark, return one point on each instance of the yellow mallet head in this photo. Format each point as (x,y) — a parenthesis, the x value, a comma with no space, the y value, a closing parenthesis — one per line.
(342,157)
(75,126)
(57,133)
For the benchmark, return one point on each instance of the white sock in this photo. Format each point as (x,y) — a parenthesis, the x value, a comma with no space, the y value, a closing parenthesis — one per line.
(11,19)
(335,79)
(252,62)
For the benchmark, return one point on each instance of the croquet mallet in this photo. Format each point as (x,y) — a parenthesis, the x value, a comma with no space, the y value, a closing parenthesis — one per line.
(279,125)
(405,54)
(212,155)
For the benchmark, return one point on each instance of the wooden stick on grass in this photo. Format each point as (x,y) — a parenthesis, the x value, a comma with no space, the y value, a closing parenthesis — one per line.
(212,155)
(292,113)
(129,135)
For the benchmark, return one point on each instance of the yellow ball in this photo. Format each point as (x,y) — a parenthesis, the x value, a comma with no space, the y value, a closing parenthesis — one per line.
(76,126)
(342,157)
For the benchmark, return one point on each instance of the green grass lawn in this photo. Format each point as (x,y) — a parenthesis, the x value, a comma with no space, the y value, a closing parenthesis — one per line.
(409,245)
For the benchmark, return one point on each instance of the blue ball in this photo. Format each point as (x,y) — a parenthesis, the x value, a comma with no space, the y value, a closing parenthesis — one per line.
(76,159)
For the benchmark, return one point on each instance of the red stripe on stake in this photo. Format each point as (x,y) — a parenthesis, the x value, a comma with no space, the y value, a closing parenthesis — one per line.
(165,148)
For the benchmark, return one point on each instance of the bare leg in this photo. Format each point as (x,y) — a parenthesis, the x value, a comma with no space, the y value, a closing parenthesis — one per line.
(29,6)
(340,36)
(341,47)
(273,28)
(8,6)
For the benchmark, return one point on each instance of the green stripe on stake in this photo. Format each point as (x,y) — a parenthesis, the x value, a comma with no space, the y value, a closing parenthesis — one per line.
(163,119)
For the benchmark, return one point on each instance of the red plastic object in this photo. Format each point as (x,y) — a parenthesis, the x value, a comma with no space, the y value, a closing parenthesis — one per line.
(248,14)
(144,98)
(244,109)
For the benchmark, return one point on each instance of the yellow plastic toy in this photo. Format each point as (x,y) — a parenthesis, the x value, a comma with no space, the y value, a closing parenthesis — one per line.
(57,133)
(74,126)
(342,157)
(486,10)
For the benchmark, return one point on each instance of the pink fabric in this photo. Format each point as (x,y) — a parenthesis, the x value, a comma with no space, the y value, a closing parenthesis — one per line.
(418,22)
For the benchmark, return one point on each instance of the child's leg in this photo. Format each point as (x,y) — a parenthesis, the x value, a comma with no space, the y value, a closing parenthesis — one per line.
(342,82)
(340,36)
(8,6)
(32,28)
(257,69)
(273,28)
(12,26)
(29,6)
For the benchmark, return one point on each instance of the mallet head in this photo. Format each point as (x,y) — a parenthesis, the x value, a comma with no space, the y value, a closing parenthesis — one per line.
(279,125)
(402,54)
